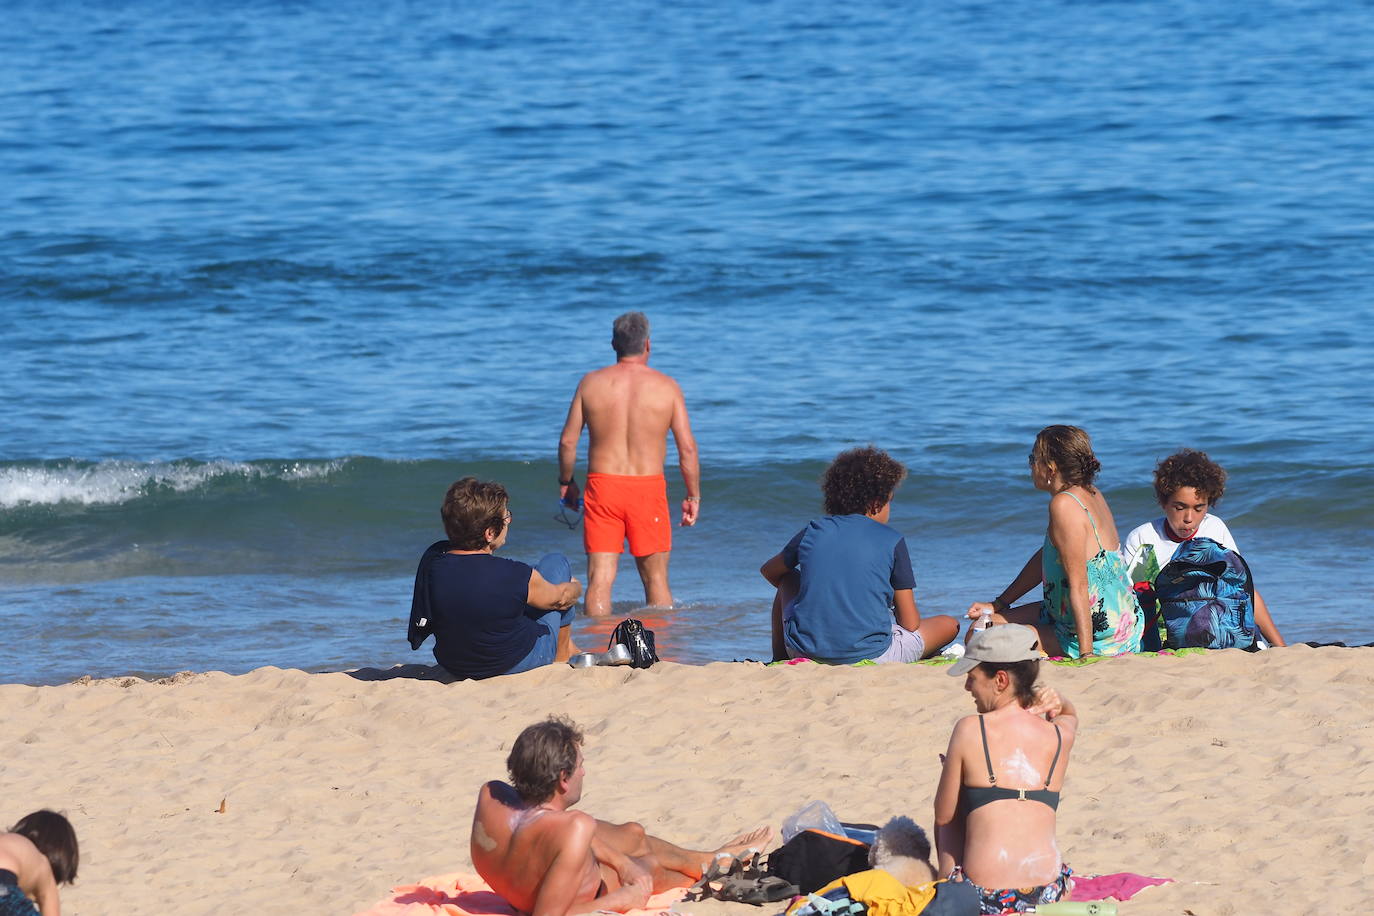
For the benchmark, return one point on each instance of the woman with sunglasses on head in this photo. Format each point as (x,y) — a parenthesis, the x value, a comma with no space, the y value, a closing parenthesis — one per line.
(489,615)
(1089,607)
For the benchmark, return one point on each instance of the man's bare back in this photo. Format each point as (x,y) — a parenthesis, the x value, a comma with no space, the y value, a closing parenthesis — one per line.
(548,861)
(628,410)
(515,847)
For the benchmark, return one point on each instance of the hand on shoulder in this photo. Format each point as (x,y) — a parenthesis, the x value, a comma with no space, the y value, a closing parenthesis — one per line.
(1048,703)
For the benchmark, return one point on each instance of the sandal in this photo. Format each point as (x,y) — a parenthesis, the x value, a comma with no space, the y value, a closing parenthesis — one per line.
(757,891)
(741,881)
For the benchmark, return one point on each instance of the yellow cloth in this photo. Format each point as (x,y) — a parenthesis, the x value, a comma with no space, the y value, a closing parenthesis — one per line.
(883,894)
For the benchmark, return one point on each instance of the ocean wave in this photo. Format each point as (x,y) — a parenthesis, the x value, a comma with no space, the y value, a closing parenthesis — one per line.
(115,482)
(69,521)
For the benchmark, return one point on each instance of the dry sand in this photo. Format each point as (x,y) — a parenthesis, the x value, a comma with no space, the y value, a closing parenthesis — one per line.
(1248,779)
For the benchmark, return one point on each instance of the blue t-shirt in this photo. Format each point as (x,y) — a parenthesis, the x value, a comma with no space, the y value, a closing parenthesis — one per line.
(482,625)
(850,566)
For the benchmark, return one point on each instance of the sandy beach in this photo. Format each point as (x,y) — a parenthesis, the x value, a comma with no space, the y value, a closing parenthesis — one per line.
(1247,779)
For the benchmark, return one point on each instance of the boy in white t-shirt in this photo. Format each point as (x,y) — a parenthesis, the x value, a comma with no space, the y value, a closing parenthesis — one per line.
(1188,485)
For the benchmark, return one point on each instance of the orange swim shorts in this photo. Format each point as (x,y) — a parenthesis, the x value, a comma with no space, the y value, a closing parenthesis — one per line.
(618,507)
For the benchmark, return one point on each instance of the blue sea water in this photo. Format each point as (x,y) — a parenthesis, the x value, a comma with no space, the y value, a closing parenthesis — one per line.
(274,274)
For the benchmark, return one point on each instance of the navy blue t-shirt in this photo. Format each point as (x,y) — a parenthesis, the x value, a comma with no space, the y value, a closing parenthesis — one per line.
(850,566)
(482,625)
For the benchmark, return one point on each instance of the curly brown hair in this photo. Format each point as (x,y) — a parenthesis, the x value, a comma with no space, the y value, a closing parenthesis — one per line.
(1070,450)
(860,480)
(1190,468)
(542,754)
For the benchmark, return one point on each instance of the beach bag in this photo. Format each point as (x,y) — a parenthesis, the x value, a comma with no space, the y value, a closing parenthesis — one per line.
(1206,598)
(634,636)
(814,858)
(1152,637)
(1144,569)
(880,894)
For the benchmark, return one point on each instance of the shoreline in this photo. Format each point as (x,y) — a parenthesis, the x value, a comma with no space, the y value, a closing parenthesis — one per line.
(1206,769)
(431,671)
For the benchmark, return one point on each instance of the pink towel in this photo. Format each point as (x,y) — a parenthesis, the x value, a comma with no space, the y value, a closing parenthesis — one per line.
(468,895)
(1122,886)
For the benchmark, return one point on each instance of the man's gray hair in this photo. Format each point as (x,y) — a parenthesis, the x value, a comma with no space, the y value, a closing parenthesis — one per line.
(629,334)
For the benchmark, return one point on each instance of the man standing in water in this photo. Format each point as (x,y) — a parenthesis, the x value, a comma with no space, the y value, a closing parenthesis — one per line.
(628,410)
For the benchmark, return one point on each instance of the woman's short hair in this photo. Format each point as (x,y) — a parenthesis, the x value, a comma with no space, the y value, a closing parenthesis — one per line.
(629,333)
(1023,675)
(53,835)
(543,754)
(860,480)
(472,506)
(1190,468)
(1070,450)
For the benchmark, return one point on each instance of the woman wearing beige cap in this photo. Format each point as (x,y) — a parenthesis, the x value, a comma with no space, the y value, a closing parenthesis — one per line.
(999,789)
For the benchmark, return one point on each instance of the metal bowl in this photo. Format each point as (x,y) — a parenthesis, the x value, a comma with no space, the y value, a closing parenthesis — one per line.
(618,654)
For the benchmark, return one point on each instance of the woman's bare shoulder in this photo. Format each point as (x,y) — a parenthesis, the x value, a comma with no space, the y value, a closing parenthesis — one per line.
(965,728)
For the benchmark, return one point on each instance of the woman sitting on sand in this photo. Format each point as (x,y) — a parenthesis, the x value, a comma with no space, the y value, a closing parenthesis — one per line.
(489,615)
(1004,769)
(845,582)
(1088,606)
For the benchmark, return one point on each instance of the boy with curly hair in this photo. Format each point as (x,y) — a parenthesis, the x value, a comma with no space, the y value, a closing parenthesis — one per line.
(1188,485)
(844,582)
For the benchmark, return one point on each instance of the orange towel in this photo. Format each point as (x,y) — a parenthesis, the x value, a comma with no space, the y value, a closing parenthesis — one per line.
(468,895)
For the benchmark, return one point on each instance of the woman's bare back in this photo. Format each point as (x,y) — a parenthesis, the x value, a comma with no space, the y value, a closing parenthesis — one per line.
(1011,842)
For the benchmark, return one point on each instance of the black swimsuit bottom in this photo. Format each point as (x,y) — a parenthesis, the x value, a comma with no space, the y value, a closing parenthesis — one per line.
(978,796)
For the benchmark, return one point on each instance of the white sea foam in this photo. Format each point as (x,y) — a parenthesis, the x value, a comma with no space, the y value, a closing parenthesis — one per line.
(114,482)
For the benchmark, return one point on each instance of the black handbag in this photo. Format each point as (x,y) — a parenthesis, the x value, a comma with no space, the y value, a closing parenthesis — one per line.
(634,636)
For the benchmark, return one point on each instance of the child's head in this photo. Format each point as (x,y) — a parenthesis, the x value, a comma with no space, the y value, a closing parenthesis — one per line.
(860,481)
(1188,484)
(53,835)
(903,850)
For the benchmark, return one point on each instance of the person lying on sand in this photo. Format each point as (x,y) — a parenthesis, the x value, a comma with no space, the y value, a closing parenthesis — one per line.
(38,854)
(548,860)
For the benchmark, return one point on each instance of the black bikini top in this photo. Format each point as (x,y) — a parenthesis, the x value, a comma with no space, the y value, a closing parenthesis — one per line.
(978,796)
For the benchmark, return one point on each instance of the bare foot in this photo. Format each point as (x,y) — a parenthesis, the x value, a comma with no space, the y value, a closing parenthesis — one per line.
(754,839)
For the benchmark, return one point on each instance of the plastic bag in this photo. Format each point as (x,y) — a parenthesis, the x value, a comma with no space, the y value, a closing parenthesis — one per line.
(814,816)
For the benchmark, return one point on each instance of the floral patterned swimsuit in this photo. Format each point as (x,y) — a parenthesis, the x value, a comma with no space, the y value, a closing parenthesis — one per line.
(1116,618)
